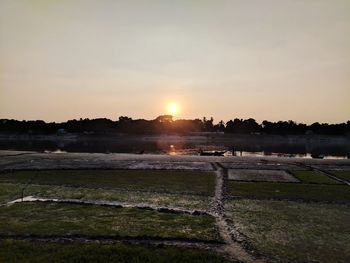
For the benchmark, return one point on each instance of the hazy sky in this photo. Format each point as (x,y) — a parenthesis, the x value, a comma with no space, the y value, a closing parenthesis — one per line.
(264,59)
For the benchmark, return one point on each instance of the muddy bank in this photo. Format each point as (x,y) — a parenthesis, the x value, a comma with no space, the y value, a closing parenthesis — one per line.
(17,160)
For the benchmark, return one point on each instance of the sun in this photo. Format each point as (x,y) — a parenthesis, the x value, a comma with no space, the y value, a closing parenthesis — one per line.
(172,108)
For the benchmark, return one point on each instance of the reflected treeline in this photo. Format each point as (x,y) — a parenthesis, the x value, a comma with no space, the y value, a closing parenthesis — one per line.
(165,124)
(291,145)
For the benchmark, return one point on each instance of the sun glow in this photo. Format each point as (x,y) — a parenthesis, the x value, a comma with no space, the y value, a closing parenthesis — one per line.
(172,108)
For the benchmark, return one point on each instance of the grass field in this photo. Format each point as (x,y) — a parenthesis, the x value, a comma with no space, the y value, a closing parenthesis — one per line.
(163,181)
(72,219)
(10,191)
(314,177)
(316,192)
(342,175)
(261,176)
(266,213)
(287,231)
(38,252)
(187,189)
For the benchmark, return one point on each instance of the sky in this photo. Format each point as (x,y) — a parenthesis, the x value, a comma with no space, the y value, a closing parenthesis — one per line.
(270,59)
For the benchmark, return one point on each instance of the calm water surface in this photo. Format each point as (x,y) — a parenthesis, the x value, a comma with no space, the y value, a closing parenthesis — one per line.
(297,146)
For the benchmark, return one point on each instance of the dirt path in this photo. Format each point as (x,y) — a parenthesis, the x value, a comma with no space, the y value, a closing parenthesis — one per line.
(231,247)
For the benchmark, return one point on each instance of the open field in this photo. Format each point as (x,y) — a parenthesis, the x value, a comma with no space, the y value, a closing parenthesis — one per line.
(163,215)
(50,219)
(293,191)
(260,164)
(294,232)
(11,191)
(261,176)
(33,160)
(162,181)
(342,175)
(40,252)
(314,177)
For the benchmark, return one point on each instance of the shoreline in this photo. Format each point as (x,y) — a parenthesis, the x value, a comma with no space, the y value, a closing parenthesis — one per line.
(36,160)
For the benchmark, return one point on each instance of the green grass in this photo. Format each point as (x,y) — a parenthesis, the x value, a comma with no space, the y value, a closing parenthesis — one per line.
(9,192)
(37,252)
(72,219)
(314,177)
(164,199)
(342,175)
(292,231)
(316,192)
(164,181)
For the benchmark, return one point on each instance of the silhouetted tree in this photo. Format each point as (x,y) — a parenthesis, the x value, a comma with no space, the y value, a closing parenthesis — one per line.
(165,124)
(242,126)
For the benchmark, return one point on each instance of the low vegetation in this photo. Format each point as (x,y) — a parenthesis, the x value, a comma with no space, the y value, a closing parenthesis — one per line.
(38,252)
(266,214)
(345,175)
(162,181)
(314,177)
(294,232)
(251,175)
(9,192)
(294,191)
(75,219)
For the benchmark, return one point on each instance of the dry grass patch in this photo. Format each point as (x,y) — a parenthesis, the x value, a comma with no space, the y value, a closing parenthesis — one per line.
(261,176)
(294,232)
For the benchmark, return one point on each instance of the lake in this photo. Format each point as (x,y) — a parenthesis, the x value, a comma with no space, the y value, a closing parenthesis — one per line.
(304,146)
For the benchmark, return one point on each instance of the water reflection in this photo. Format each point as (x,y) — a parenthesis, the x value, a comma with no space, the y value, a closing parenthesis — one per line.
(172,150)
(303,147)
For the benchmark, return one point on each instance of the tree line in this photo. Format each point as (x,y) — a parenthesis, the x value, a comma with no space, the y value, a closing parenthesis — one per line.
(165,124)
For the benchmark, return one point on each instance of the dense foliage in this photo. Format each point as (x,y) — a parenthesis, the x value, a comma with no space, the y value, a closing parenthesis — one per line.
(166,125)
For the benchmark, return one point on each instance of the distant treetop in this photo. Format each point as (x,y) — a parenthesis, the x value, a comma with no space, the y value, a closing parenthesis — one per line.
(165,124)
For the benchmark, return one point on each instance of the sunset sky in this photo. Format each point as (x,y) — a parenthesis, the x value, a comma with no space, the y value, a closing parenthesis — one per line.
(275,60)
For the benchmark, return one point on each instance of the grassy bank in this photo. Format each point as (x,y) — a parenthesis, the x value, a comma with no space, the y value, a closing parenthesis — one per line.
(314,177)
(10,191)
(164,181)
(75,219)
(294,191)
(37,252)
(345,175)
(294,232)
